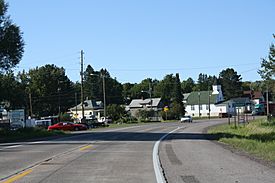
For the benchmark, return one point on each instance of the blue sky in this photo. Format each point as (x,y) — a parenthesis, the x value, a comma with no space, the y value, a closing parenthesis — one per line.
(138,39)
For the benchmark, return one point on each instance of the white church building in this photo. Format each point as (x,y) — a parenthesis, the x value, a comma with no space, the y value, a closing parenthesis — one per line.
(201,103)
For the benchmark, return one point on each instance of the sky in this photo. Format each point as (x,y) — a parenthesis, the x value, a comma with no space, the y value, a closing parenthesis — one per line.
(139,39)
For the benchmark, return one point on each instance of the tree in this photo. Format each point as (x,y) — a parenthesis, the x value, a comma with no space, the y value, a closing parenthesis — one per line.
(12,91)
(231,83)
(267,70)
(50,89)
(165,88)
(115,112)
(170,91)
(11,41)
(93,86)
(126,92)
(205,82)
(188,85)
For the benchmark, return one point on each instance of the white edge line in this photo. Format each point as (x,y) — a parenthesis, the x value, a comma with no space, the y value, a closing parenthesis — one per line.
(156,161)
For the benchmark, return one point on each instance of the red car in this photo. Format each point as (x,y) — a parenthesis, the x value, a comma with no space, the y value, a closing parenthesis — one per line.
(67,126)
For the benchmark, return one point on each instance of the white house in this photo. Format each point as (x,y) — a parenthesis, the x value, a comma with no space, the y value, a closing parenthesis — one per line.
(92,109)
(199,103)
(203,102)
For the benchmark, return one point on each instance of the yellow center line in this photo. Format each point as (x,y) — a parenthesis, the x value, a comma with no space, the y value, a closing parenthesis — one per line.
(85,147)
(19,176)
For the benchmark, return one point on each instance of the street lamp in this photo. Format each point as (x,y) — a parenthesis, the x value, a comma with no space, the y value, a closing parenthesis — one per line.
(149,92)
(59,107)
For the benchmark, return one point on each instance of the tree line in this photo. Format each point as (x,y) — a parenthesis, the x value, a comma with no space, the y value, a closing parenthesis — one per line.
(47,90)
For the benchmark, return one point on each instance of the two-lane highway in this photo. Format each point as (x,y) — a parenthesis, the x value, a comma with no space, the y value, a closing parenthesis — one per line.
(116,155)
(161,152)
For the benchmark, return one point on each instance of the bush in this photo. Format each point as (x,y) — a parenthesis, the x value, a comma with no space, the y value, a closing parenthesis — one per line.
(115,112)
(144,115)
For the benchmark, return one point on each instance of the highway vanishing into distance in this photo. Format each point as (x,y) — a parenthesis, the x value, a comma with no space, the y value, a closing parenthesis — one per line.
(153,153)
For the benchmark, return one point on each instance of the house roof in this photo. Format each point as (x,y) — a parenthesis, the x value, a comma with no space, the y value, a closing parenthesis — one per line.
(185,96)
(139,103)
(89,105)
(255,94)
(201,97)
(239,100)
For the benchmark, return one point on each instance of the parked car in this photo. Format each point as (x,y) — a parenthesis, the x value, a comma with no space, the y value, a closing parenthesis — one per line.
(186,119)
(67,126)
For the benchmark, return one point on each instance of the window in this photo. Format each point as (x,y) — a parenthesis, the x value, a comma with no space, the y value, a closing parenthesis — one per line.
(200,107)
(192,107)
(207,107)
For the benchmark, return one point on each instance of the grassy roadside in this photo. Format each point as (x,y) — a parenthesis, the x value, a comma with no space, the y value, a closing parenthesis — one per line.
(256,138)
(26,134)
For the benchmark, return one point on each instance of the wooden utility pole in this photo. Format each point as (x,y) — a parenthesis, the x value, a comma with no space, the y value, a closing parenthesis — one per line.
(104,95)
(267,103)
(30,99)
(75,97)
(82,91)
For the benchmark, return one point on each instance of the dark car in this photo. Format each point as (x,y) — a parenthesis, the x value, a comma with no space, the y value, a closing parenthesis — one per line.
(67,126)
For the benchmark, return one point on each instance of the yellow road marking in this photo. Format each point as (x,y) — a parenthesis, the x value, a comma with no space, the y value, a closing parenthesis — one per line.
(85,147)
(19,176)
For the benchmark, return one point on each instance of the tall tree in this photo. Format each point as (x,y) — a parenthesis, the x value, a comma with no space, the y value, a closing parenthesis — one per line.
(126,92)
(93,86)
(267,70)
(11,41)
(169,89)
(205,82)
(188,85)
(50,89)
(144,85)
(231,83)
(12,91)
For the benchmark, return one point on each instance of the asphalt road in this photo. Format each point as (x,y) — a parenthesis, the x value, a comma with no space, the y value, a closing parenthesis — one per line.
(130,155)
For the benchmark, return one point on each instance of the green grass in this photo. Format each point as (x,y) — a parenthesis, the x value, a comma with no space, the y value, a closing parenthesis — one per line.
(257,137)
(25,134)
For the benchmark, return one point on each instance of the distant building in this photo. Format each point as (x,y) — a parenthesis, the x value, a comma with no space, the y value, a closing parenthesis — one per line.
(92,110)
(198,103)
(256,96)
(136,105)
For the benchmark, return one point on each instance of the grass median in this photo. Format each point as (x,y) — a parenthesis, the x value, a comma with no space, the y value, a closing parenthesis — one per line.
(256,138)
(26,134)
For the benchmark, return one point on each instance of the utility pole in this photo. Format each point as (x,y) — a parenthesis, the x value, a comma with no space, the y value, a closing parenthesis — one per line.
(82,91)
(104,95)
(75,98)
(150,93)
(30,98)
(59,109)
(267,104)
(209,104)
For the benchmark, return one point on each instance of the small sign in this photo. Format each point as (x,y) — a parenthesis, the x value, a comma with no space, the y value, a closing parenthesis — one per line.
(166,109)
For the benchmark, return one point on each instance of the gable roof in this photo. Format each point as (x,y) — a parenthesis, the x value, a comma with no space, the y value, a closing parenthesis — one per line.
(139,103)
(254,94)
(201,97)
(89,105)
(239,101)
